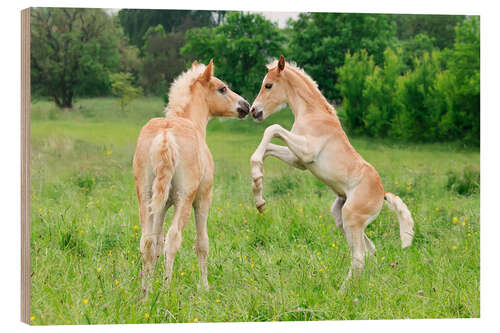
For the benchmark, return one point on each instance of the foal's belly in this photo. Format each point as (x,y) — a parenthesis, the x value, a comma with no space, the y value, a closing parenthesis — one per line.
(331,175)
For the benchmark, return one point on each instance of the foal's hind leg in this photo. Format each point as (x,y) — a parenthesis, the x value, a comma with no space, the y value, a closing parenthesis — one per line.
(182,211)
(201,208)
(354,233)
(336,212)
(370,247)
(151,245)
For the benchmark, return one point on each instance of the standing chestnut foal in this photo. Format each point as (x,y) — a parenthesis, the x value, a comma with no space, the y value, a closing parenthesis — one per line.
(173,166)
(318,143)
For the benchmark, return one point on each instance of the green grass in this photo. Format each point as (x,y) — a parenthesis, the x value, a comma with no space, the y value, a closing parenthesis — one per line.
(285,264)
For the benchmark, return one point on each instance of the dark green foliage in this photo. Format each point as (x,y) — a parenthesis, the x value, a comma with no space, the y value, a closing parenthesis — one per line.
(415,47)
(418,117)
(380,94)
(460,85)
(121,87)
(73,50)
(84,181)
(241,47)
(136,22)
(416,95)
(440,28)
(352,82)
(320,41)
(466,182)
(162,61)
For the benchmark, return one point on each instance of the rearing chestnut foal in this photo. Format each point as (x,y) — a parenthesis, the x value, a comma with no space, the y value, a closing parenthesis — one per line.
(317,143)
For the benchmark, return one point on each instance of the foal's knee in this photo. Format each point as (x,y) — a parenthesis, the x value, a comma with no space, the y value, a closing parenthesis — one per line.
(201,246)
(173,241)
(148,247)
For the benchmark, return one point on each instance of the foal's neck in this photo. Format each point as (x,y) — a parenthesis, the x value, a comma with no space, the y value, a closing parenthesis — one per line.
(197,112)
(304,98)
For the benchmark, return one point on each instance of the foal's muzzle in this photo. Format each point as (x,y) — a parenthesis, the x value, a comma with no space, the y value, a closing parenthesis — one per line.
(243,109)
(257,114)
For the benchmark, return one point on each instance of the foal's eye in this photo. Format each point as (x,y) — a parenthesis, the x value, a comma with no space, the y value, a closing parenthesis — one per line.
(269,85)
(223,90)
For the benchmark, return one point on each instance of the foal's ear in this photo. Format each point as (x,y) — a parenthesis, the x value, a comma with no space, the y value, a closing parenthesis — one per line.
(281,64)
(195,63)
(209,71)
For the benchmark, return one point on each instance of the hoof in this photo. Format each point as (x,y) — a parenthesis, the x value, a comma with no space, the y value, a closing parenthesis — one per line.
(261,207)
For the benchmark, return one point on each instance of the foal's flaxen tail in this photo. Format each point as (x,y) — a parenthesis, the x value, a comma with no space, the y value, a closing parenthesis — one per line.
(163,161)
(404,216)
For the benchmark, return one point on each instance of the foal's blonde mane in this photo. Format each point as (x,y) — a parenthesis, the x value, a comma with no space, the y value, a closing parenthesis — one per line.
(308,81)
(180,90)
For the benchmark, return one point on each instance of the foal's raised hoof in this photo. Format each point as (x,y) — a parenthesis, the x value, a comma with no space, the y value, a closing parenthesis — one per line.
(261,207)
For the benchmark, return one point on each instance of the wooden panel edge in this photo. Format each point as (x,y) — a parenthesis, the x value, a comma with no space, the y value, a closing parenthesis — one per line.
(25,166)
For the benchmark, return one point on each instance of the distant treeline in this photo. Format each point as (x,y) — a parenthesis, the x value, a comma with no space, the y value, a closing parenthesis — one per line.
(411,77)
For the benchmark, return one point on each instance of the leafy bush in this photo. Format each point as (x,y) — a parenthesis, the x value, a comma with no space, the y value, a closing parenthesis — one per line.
(352,82)
(464,183)
(418,118)
(121,87)
(380,93)
(428,97)
(460,85)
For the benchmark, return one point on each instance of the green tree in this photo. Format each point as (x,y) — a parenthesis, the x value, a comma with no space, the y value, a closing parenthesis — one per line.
(439,28)
(415,47)
(419,116)
(136,22)
(162,61)
(241,47)
(460,84)
(121,87)
(73,50)
(320,41)
(352,82)
(380,93)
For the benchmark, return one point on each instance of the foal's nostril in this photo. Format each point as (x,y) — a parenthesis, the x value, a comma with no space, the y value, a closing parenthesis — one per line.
(252,111)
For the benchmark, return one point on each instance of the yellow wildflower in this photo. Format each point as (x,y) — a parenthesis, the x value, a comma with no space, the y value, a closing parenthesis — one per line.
(333,245)
(195,320)
(182,273)
(217,300)
(32,318)
(146,315)
(116,282)
(454,247)
(109,152)
(85,301)
(455,219)
(98,269)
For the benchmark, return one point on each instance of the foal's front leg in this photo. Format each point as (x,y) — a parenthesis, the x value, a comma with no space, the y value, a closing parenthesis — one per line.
(297,154)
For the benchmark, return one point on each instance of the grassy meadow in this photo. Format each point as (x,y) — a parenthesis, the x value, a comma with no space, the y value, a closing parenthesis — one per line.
(286,264)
